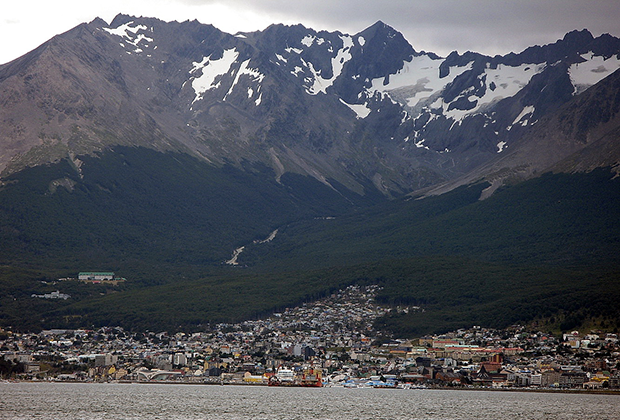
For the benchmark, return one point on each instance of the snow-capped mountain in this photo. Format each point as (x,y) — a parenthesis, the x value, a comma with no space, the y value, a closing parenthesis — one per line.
(357,110)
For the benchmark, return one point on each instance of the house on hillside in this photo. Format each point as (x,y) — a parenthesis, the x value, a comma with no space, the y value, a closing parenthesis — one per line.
(95,276)
(107,277)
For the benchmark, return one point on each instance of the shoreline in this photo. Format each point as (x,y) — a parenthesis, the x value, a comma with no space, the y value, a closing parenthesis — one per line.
(435,388)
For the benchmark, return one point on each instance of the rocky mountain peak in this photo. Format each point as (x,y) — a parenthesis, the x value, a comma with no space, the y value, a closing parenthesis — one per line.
(121,19)
(363,109)
(578,39)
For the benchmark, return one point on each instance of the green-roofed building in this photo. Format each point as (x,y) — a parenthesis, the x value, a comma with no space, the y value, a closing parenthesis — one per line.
(96,275)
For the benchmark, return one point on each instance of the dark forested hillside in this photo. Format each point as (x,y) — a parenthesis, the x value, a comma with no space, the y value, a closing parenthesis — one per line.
(559,219)
(544,249)
(137,211)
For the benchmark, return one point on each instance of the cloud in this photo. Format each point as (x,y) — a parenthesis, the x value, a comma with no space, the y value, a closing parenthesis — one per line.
(487,26)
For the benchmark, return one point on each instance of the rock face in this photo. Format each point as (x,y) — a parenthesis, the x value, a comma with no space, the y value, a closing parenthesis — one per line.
(362,111)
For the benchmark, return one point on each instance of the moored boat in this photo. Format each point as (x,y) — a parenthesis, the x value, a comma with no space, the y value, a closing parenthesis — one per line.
(310,377)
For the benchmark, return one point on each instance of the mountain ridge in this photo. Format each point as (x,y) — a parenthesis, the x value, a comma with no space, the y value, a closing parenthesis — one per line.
(330,105)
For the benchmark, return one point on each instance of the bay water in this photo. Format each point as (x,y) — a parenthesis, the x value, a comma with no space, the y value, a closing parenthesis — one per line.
(69,401)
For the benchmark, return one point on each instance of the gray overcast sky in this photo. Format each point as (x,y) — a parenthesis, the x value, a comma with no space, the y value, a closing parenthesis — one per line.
(485,26)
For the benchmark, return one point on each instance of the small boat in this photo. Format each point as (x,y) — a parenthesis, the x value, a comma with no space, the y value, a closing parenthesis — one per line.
(350,384)
(311,377)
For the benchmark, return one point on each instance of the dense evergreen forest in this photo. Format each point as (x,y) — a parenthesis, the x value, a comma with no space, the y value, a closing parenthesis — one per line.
(541,251)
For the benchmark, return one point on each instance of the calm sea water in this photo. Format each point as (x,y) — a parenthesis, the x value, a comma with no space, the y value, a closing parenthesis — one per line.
(60,401)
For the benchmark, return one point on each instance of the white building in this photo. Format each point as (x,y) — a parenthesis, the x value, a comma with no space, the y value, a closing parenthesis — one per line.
(95,275)
(180,359)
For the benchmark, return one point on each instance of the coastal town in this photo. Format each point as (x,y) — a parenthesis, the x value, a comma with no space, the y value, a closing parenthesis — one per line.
(333,338)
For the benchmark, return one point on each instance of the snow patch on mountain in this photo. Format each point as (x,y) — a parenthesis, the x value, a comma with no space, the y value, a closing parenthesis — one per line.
(417,80)
(131,35)
(593,70)
(308,40)
(362,111)
(507,81)
(123,29)
(209,70)
(294,50)
(420,144)
(501,82)
(527,110)
(343,55)
(254,74)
